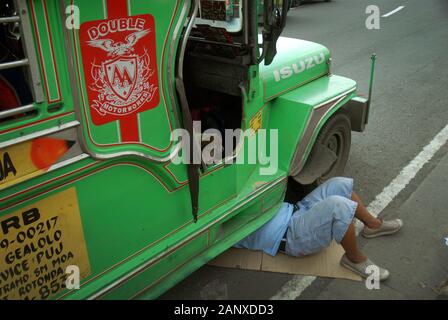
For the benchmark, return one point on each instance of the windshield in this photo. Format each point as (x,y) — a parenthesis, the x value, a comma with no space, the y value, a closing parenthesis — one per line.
(225,14)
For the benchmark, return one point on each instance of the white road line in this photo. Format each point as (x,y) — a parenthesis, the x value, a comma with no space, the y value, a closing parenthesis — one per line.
(392,12)
(294,288)
(408,173)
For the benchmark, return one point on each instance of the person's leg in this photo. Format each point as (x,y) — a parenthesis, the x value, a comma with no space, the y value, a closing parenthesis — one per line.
(364,215)
(337,186)
(350,245)
(341,186)
(311,230)
(343,229)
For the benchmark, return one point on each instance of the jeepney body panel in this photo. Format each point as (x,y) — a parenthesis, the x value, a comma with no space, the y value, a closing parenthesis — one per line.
(109,200)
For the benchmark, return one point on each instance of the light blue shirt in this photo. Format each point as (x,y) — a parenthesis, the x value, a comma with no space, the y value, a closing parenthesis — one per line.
(268,237)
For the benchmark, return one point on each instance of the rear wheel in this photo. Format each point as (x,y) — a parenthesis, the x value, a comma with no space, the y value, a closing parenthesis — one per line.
(336,136)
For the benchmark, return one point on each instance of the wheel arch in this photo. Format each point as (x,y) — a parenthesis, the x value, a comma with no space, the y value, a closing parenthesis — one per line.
(356,108)
(319,117)
(300,114)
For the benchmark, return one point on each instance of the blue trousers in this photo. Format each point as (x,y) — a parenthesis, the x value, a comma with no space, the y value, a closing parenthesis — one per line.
(325,214)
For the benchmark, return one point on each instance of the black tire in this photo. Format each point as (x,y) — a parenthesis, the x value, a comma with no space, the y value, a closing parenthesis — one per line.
(336,134)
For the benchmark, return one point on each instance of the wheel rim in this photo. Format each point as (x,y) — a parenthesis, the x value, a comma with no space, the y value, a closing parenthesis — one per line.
(335,144)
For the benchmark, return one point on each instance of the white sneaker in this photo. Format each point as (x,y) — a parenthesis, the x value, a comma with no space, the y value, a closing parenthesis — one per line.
(361,268)
(387,227)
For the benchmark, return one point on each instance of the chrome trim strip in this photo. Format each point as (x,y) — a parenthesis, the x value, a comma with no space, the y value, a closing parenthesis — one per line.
(315,119)
(165,159)
(30,51)
(37,134)
(9,19)
(171,66)
(14,64)
(180,64)
(68,161)
(332,99)
(72,78)
(160,256)
(16,111)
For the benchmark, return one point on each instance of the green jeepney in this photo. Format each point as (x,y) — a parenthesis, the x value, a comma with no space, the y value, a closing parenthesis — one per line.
(92,93)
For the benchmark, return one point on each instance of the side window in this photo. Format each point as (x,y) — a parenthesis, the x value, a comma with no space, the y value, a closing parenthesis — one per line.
(35,93)
(37,120)
(19,77)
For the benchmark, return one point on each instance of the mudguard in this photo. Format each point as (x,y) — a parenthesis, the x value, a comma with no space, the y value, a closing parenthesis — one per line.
(307,108)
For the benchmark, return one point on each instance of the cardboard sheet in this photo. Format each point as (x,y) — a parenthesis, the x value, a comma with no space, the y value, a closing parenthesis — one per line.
(322,264)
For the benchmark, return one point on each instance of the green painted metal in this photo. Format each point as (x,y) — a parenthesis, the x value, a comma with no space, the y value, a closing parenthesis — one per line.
(297,106)
(136,213)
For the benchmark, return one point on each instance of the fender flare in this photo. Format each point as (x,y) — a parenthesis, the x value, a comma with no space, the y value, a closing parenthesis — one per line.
(306,172)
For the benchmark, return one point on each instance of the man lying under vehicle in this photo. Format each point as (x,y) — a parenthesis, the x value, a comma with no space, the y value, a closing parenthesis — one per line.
(325,214)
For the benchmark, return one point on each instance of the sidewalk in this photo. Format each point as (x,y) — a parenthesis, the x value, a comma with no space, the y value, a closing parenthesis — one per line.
(417,256)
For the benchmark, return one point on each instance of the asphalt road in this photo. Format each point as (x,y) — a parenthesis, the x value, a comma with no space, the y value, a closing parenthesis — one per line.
(409,109)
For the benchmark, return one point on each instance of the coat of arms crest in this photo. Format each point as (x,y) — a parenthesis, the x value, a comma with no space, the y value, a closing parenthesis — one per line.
(119,59)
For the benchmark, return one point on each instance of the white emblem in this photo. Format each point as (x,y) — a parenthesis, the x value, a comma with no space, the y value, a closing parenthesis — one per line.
(122,82)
